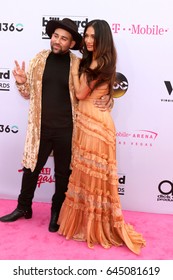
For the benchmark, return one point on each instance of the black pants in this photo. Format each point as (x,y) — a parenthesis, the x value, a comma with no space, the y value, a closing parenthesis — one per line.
(59,141)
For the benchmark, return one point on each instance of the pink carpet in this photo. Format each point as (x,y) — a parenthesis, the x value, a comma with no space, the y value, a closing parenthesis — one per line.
(31,240)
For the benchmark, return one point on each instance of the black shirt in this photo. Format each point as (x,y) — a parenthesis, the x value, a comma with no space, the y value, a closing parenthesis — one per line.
(56,103)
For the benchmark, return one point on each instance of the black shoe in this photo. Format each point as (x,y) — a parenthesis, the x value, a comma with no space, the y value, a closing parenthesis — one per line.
(53,227)
(17,214)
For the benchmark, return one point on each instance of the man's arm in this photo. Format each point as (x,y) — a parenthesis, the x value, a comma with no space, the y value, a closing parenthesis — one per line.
(105,103)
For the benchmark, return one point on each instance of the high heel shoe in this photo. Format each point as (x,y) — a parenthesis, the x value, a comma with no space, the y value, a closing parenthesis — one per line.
(17,214)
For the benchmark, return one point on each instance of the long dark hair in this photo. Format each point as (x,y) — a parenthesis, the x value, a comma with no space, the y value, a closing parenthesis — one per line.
(105,54)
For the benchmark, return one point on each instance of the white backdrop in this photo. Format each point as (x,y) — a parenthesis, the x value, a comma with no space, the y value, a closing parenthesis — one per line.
(143,34)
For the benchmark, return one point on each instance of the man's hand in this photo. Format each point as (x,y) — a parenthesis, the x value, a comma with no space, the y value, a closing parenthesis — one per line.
(19,73)
(104,103)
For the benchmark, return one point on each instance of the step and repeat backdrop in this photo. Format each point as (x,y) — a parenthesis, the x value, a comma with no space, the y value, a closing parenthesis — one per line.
(143,97)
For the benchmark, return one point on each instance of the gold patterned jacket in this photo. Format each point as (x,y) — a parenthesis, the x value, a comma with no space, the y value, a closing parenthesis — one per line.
(32,90)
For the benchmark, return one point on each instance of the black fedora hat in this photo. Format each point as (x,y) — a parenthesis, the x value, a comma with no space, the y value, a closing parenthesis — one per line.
(68,25)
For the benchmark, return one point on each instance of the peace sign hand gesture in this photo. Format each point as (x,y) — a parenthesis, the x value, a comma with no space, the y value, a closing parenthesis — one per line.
(19,73)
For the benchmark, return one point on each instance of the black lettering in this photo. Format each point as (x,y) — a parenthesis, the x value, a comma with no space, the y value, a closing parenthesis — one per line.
(15,271)
(7,75)
(121,180)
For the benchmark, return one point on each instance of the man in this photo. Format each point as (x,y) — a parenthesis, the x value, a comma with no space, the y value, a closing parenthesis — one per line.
(48,83)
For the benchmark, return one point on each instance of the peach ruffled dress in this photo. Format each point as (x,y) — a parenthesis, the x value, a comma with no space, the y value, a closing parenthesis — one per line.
(92,210)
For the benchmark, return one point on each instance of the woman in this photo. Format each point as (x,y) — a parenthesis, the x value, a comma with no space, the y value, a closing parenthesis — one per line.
(91,211)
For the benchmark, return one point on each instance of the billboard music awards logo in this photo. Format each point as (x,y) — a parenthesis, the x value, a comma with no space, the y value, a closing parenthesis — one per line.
(165,189)
(44,176)
(4,79)
(169,91)
(81,22)
(137,138)
(10,27)
(139,29)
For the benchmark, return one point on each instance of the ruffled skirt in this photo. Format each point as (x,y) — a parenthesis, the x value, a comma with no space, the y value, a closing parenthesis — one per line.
(92,210)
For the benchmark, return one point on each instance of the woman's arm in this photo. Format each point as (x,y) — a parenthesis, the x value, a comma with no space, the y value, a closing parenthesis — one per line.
(82,90)
(81,87)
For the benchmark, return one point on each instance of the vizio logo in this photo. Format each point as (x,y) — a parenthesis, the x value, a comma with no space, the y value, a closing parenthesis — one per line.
(168,87)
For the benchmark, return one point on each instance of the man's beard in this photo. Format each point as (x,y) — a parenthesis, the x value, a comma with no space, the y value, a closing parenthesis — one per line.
(58,51)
